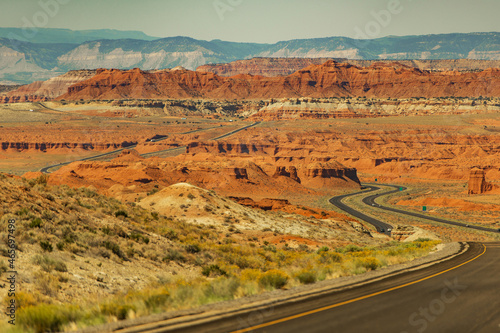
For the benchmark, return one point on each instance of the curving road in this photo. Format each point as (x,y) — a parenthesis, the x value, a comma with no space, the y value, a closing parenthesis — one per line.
(384,227)
(379,225)
(371,202)
(461,295)
(457,295)
(47,168)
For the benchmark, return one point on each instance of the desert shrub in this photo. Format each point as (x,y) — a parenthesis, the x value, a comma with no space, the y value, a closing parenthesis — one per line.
(174,255)
(422,240)
(119,311)
(115,248)
(221,289)
(213,270)
(106,230)
(307,276)
(121,213)
(23,212)
(36,223)
(191,196)
(48,264)
(273,278)
(46,284)
(369,263)
(323,249)
(170,234)
(193,248)
(330,257)
(60,246)
(270,248)
(157,300)
(24,300)
(349,248)
(42,318)
(153,191)
(46,246)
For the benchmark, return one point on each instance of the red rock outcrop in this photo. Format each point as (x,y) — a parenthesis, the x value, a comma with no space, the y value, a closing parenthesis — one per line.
(41,91)
(262,66)
(478,183)
(285,66)
(330,79)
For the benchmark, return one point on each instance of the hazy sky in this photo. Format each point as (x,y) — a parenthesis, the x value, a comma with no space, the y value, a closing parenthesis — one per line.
(266,21)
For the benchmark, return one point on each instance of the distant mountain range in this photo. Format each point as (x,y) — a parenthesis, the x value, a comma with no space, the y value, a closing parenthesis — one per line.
(51,52)
(47,35)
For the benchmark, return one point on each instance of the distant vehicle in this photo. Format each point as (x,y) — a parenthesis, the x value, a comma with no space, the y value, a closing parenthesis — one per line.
(31,110)
(183,118)
(389,230)
(468,226)
(382,230)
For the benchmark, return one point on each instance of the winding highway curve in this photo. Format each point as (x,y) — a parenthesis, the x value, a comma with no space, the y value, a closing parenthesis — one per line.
(48,168)
(459,294)
(382,226)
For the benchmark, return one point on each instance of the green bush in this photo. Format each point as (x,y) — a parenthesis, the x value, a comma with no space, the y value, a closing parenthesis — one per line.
(156,301)
(46,246)
(115,248)
(121,213)
(48,264)
(330,257)
(60,246)
(323,249)
(213,270)
(273,278)
(370,263)
(174,255)
(42,318)
(120,311)
(36,223)
(350,248)
(193,248)
(307,276)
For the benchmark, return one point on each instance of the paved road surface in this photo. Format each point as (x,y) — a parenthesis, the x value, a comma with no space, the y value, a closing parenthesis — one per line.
(460,295)
(382,227)
(464,299)
(370,201)
(47,169)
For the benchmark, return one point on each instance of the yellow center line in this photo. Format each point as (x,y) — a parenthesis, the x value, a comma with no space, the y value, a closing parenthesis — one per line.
(353,300)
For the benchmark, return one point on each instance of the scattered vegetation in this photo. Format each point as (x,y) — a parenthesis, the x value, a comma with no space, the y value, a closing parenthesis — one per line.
(226,268)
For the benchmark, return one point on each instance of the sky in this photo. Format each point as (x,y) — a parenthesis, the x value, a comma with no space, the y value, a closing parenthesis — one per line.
(262,21)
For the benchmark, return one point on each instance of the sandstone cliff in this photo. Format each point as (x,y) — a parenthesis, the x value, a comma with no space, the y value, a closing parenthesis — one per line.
(478,183)
(285,66)
(40,91)
(330,79)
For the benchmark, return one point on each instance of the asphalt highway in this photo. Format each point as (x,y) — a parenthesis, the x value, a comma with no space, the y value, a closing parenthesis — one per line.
(462,298)
(47,168)
(379,225)
(383,226)
(370,201)
(459,295)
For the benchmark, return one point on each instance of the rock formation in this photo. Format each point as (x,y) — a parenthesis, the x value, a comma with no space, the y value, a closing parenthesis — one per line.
(286,66)
(478,183)
(41,91)
(331,79)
